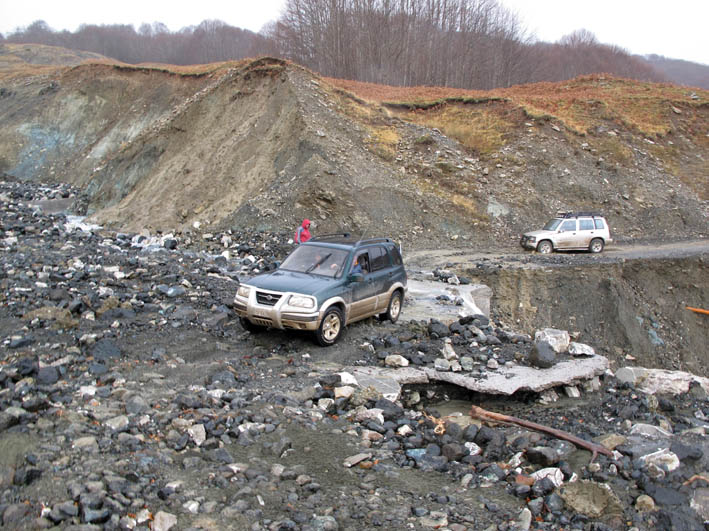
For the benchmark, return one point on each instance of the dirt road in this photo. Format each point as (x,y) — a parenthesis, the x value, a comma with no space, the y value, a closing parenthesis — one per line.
(431,259)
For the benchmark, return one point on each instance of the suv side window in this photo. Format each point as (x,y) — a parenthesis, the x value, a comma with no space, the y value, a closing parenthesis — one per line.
(568,225)
(379,257)
(599,223)
(585,224)
(364,263)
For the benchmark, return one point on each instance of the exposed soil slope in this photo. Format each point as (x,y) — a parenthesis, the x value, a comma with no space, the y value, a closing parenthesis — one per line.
(262,144)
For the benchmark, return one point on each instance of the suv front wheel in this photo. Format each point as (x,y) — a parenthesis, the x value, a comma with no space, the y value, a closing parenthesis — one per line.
(330,328)
(545,247)
(596,245)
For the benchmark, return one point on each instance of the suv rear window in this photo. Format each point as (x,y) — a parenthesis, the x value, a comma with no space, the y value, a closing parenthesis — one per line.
(599,223)
(395,256)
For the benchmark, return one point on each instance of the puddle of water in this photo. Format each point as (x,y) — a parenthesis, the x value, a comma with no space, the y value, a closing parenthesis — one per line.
(445,302)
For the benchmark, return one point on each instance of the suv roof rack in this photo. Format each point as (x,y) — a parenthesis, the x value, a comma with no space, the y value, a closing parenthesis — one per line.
(332,236)
(565,214)
(346,237)
(376,240)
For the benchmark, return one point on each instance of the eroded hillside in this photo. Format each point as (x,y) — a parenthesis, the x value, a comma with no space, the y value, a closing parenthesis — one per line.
(262,144)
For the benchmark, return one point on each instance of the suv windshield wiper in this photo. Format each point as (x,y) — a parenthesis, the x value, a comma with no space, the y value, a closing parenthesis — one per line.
(318,263)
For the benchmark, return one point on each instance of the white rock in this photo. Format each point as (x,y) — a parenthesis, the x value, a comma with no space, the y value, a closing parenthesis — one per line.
(347,378)
(473,449)
(554,474)
(325,403)
(362,414)
(663,459)
(650,431)
(118,423)
(572,391)
(661,381)
(396,360)
(405,430)
(198,433)
(558,339)
(447,350)
(164,521)
(345,391)
(580,349)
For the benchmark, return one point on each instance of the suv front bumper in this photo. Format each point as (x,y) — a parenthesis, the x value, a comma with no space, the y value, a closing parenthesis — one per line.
(528,242)
(277,315)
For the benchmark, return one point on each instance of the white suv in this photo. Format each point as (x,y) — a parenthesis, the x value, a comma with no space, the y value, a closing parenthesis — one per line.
(570,231)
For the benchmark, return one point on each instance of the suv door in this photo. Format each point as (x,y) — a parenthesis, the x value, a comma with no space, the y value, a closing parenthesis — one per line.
(382,275)
(567,235)
(364,296)
(587,231)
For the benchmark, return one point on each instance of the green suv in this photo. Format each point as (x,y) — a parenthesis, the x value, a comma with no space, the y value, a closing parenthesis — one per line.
(325,284)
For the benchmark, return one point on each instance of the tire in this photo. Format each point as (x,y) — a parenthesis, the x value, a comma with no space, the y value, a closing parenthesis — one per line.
(596,245)
(250,327)
(394,309)
(330,328)
(545,247)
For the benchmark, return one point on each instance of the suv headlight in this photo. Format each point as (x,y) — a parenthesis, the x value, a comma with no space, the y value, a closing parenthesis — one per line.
(301,301)
(243,291)
(531,238)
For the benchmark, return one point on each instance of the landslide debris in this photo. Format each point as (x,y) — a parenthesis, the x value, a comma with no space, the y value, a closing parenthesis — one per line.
(150,407)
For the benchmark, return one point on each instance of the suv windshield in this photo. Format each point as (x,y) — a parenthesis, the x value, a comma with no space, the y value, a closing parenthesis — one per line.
(317,260)
(552,224)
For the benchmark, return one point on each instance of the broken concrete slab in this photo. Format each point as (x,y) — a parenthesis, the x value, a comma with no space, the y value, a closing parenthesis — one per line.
(661,381)
(503,381)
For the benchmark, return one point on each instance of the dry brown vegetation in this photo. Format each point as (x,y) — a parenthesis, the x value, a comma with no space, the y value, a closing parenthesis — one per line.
(581,104)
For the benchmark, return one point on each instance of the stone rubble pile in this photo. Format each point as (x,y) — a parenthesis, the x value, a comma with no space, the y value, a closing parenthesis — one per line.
(131,398)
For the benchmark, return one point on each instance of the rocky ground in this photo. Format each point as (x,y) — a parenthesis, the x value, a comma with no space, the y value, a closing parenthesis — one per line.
(132,399)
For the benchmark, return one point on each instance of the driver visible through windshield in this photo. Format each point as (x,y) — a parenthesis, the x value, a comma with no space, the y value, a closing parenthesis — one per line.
(316,260)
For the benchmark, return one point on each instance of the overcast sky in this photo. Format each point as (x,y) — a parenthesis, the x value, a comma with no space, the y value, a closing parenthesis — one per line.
(676,29)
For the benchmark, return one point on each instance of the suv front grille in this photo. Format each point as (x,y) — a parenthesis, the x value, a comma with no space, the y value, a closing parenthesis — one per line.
(267,299)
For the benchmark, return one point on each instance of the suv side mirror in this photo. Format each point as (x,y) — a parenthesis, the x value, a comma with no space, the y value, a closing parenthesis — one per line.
(356,277)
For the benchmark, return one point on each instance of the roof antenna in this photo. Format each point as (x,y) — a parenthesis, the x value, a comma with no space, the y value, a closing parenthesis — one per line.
(363,233)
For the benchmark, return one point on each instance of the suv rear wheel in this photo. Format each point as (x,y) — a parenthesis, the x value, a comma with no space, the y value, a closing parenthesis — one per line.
(330,327)
(545,247)
(596,245)
(394,310)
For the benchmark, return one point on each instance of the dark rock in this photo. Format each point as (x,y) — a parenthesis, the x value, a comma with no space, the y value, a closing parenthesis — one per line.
(97,369)
(48,376)
(224,377)
(686,452)
(105,350)
(26,366)
(438,329)
(136,404)
(453,451)
(390,410)
(542,455)
(20,342)
(25,476)
(542,355)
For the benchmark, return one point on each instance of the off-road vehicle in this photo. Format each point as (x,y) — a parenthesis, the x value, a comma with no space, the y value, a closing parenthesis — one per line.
(570,231)
(318,287)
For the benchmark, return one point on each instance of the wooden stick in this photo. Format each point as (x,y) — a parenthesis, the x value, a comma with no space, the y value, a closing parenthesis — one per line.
(698,310)
(595,449)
